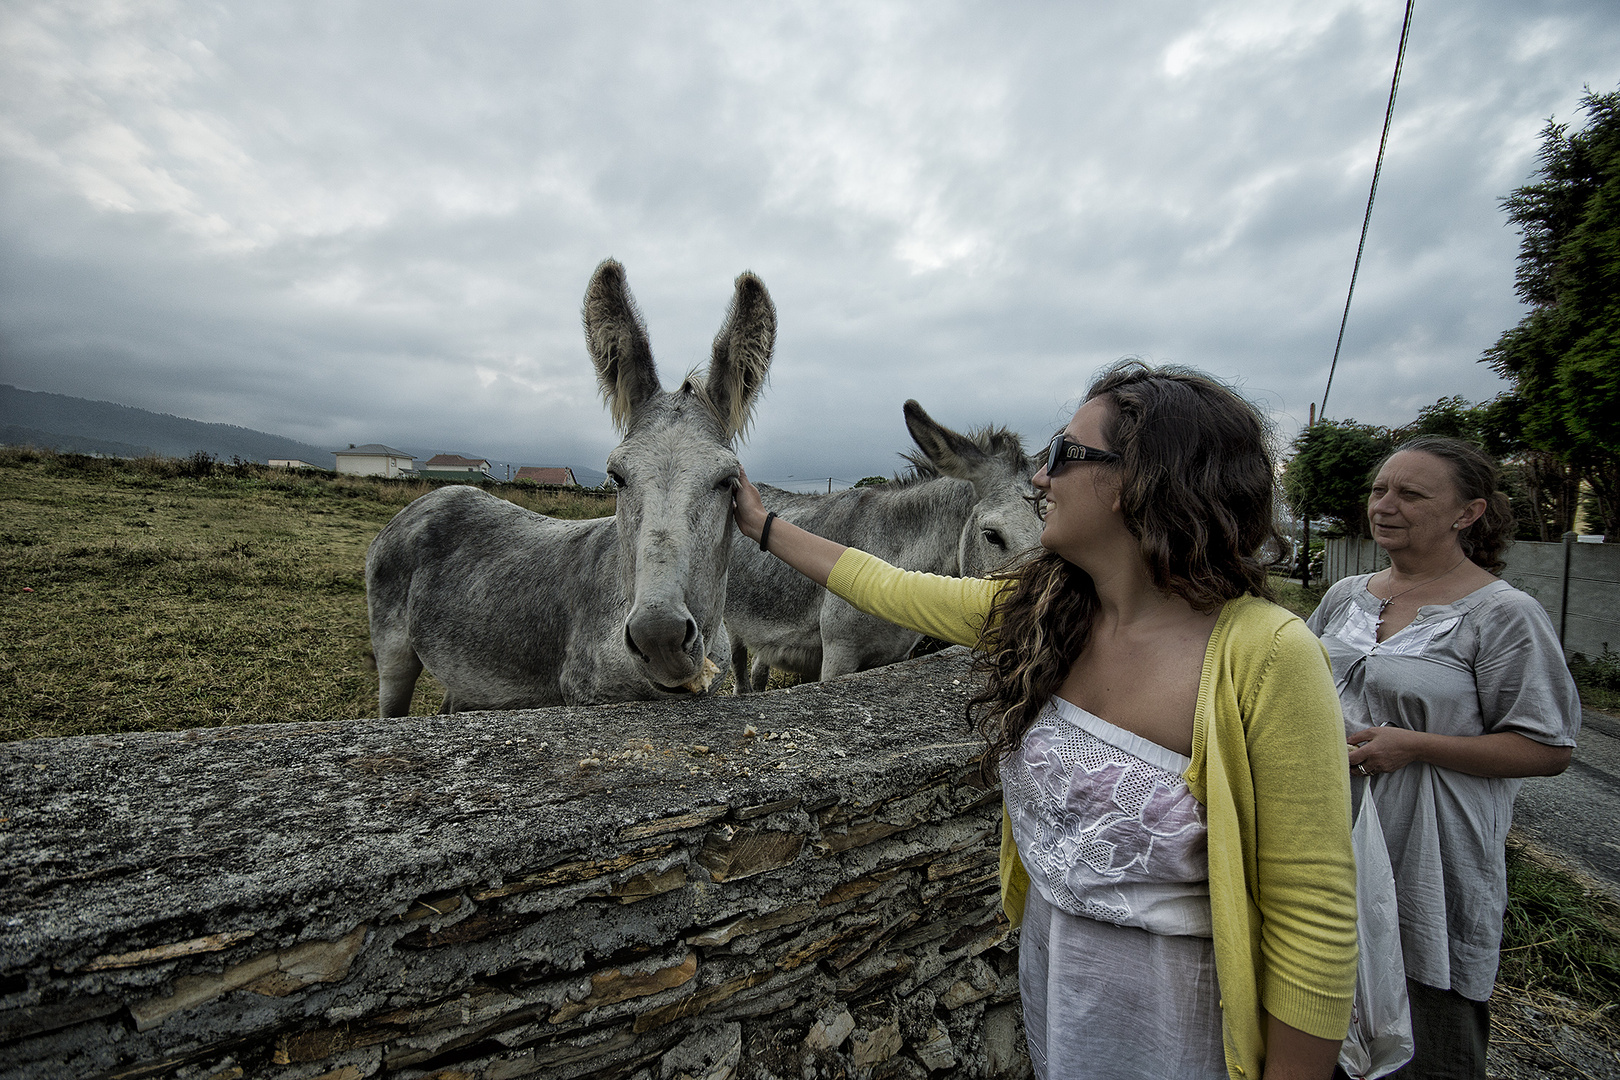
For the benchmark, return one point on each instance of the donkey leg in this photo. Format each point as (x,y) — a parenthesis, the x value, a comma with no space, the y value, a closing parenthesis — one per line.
(854,654)
(760,676)
(837,660)
(739,668)
(396,682)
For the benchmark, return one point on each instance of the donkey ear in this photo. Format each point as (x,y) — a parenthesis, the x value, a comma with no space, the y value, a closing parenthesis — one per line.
(742,354)
(616,335)
(953,454)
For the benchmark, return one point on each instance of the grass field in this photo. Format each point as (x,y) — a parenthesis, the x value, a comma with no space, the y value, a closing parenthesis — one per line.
(162,594)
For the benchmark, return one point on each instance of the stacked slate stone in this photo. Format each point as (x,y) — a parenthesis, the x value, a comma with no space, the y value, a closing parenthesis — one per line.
(797,884)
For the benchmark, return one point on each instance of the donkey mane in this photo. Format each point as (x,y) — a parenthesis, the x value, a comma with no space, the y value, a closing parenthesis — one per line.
(694,386)
(997,442)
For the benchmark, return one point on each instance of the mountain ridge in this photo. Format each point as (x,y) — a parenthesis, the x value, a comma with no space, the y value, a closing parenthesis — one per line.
(82,425)
(86,426)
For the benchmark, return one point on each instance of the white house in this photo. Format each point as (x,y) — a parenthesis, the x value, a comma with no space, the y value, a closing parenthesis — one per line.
(373,459)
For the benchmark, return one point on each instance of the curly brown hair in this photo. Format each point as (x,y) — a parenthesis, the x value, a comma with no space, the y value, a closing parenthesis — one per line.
(1475,476)
(1197,480)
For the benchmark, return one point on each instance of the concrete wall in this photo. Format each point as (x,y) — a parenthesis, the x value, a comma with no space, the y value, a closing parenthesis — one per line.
(1592,620)
(1344,558)
(799,884)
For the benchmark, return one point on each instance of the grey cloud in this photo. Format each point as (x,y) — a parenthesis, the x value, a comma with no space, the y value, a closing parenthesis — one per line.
(361,221)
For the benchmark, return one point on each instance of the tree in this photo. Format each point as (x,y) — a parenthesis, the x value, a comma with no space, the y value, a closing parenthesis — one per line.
(1541,486)
(1331,470)
(1564,355)
(870,481)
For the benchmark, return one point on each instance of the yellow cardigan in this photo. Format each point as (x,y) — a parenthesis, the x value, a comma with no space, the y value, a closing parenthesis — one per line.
(1269,765)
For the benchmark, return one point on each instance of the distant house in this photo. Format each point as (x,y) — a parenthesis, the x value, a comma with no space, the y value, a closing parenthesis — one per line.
(373,459)
(545,474)
(456,467)
(292,463)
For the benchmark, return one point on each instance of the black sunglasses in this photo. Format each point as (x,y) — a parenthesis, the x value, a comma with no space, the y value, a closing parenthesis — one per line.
(1063,450)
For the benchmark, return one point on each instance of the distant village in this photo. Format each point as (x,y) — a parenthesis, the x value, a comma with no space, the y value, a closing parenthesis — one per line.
(376,459)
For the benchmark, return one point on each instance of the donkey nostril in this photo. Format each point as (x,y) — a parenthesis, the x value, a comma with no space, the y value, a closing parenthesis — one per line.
(630,643)
(691,634)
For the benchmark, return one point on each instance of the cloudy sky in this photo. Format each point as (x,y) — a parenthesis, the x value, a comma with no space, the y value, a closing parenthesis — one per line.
(354,222)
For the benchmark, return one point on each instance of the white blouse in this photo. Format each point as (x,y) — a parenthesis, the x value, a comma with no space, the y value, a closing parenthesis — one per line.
(1106,825)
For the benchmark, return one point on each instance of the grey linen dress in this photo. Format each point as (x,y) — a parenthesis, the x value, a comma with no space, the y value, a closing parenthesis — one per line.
(1489,662)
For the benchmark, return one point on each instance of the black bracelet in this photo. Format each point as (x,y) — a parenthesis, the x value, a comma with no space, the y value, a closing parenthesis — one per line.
(765,533)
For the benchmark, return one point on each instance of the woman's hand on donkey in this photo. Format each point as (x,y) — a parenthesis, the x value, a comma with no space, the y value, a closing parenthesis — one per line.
(747,507)
(809,554)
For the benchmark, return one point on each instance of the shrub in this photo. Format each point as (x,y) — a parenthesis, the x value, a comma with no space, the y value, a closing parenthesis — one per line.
(1598,672)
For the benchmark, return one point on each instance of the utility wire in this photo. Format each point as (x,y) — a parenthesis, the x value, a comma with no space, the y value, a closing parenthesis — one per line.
(1389,114)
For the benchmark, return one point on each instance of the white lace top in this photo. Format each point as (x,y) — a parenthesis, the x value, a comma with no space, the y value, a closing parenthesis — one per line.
(1105,824)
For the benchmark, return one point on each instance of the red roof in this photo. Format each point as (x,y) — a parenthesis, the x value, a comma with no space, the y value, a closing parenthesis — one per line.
(545,474)
(458,461)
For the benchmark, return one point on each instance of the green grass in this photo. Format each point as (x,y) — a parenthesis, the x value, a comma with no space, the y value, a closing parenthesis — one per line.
(1560,937)
(163,594)
(1599,679)
(1295,597)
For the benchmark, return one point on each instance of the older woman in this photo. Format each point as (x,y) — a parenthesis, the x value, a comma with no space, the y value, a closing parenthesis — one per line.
(1176,836)
(1454,688)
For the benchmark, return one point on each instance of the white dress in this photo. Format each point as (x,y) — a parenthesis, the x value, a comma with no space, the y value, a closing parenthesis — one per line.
(1116,959)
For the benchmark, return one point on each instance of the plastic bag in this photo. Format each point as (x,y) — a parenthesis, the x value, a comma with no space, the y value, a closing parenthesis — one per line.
(1380,1039)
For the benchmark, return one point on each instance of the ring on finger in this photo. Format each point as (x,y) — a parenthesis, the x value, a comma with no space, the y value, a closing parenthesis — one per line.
(1362,769)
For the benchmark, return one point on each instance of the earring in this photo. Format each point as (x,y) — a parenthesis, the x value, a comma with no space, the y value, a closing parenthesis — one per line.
(1456,524)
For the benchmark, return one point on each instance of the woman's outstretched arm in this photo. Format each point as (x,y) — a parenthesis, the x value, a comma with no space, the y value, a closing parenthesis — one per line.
(809,554)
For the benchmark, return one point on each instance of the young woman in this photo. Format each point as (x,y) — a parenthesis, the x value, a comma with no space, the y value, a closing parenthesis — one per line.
(1454,688)
(1176,839)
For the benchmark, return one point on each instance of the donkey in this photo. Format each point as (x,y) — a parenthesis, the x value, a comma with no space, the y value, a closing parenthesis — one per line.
(966,508)
(512,609)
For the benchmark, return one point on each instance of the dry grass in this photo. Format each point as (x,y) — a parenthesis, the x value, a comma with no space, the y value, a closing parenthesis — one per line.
(1560,968)
(163,594)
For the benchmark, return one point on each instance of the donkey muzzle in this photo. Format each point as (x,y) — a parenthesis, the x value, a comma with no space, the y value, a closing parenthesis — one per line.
(667,643)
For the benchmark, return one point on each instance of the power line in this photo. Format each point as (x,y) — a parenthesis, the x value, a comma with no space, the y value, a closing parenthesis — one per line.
(1389,114)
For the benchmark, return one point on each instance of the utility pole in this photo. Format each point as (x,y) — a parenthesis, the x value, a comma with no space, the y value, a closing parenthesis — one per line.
(1305,511)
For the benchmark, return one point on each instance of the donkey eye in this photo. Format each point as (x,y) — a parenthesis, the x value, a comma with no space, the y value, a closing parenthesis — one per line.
(618,480)
(995,538)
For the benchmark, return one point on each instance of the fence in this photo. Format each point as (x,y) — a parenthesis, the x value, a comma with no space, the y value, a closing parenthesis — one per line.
(1578,584)
(801,883)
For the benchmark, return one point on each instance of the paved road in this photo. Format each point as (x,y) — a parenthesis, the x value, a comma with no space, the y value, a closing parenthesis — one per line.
(1577,815)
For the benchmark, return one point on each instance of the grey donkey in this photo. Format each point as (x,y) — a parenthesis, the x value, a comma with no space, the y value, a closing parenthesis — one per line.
(512,609)
(966,508)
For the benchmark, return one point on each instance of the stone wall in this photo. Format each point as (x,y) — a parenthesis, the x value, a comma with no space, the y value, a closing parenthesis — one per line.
(798,884)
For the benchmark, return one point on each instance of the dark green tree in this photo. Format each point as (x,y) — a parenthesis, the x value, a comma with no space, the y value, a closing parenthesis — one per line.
(1564,355)
(1540,485)
(1452,417)
(1331,470)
